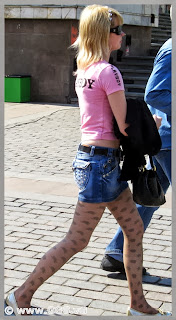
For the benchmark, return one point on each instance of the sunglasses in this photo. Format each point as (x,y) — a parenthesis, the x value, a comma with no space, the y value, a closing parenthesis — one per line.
(117,30)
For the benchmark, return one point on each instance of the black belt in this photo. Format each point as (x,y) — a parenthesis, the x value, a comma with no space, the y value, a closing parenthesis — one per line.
(102,151)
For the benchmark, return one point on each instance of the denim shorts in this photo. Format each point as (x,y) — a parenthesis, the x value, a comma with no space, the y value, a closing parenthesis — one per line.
(98,176)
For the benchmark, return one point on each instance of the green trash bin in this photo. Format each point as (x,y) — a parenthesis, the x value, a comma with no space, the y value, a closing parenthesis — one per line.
(17,88)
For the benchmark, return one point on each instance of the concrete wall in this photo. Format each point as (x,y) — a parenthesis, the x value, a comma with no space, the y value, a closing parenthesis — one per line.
(40,48)
(133,14)
(138,24)
(140,40)
(138,14)
(37,40)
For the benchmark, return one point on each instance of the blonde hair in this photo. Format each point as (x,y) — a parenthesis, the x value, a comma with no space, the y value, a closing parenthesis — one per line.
(92,43)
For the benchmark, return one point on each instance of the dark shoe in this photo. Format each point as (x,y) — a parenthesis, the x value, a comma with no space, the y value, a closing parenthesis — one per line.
(110,264)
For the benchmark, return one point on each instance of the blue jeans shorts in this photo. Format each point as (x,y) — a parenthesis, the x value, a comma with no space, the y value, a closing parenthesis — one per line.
(98,176)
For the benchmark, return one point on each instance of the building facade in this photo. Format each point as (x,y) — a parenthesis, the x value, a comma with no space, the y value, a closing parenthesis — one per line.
(37,41)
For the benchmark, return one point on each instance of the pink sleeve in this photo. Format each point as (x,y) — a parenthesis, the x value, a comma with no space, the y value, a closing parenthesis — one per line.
(111,79)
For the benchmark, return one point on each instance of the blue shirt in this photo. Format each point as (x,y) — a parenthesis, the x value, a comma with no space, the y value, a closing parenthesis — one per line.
(158,92)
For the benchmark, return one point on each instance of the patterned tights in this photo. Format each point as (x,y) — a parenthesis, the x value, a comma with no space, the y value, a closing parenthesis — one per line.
(85,220)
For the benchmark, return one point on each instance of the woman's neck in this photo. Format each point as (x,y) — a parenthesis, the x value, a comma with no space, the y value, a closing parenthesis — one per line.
(106,58)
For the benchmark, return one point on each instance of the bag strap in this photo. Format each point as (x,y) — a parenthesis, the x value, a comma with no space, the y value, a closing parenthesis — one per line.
(151,162)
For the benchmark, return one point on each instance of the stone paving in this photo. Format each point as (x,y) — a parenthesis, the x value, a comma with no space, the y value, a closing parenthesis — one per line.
(40,197)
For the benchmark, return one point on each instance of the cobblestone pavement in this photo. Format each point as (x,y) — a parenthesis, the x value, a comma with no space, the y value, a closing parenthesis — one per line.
(40,196)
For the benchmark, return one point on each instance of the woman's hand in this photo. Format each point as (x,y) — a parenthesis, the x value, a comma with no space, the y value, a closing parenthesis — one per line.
(157,120)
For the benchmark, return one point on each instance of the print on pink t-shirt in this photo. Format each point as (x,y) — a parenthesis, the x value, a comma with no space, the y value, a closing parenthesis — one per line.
(93,85)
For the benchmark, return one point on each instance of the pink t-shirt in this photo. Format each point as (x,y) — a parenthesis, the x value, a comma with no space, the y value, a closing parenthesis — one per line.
(93,85)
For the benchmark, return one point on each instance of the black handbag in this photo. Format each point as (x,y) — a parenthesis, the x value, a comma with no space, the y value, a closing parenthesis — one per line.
(146,187)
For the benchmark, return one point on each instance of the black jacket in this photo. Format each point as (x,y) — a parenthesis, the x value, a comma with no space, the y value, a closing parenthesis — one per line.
(143,137)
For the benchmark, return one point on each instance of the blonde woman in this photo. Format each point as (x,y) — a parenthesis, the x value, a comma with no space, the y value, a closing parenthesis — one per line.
(100,91)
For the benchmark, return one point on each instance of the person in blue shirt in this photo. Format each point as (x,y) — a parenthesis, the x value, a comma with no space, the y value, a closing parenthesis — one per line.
(158,98)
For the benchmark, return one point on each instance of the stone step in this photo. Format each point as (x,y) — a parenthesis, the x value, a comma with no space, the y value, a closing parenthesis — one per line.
(136,70)
(148,58)
(160,36)
(165,24)
(135,60)
(131,72)
(164,28)
(164,14)
(134,94)
(160,31)
(136,65)
(161,19)
(156,45)
(135,87)
(158,40)
(135,80)
(153,51)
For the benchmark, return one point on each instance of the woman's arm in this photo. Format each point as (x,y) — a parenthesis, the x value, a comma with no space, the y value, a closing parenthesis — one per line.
(158,89)
(118,105)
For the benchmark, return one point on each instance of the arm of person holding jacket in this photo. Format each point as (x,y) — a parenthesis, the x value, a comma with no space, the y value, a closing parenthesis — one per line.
(158,89)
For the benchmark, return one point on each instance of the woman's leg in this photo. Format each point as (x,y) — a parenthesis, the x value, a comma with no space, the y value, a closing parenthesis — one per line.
(162,161)
(85,220)
(125,211)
